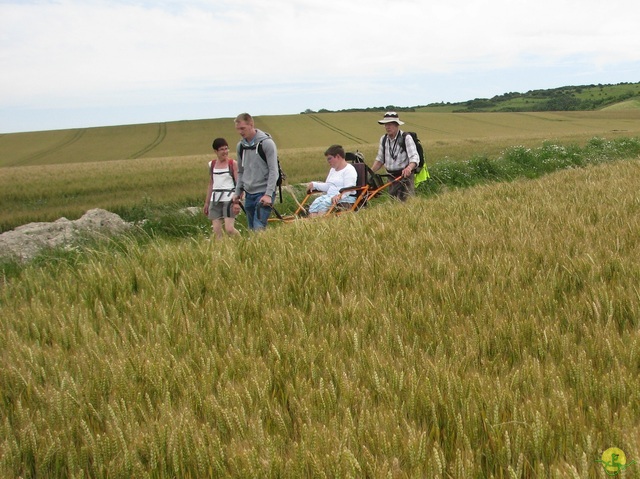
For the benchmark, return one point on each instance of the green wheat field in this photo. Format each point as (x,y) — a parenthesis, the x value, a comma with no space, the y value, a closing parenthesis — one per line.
(482,332)
(46,175)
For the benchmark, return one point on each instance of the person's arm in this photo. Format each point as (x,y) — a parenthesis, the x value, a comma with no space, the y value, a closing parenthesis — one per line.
(412,154)
(319,186)
(207,198)
(237,194)
(379,161)
(271,152)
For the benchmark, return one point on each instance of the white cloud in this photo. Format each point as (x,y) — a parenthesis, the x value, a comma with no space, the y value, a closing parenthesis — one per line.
(106,53)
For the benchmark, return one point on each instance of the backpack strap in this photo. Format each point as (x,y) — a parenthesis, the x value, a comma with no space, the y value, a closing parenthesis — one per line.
(403,134)
(233,171)
(240,149)
(403,139)
(261,152)
(384,148)
(262,155)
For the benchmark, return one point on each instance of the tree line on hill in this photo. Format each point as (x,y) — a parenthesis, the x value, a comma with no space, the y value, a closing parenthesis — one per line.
(567,98)
(309,111)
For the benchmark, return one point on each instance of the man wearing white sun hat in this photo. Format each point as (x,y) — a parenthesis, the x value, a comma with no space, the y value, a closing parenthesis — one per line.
(398,154)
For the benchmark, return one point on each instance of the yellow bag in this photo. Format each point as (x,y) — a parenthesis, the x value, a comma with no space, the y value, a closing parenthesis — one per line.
(422,176)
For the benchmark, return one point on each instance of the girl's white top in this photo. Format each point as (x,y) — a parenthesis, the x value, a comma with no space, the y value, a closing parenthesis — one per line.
(223,185)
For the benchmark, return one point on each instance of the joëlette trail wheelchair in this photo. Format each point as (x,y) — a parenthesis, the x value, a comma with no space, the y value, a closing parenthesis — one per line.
(368,186)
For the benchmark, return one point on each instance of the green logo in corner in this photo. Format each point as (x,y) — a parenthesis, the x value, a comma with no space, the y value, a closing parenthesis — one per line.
(614,461)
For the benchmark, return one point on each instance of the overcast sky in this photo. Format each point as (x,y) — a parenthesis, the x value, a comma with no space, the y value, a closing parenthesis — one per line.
(82,63)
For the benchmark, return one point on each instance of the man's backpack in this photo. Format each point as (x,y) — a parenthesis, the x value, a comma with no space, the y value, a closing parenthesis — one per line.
(281,175)
(418,144)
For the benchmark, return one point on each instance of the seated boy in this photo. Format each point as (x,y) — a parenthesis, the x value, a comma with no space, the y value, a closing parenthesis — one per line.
(341,175)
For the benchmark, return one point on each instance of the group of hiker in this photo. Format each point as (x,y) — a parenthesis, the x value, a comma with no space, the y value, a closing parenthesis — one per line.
(250,182)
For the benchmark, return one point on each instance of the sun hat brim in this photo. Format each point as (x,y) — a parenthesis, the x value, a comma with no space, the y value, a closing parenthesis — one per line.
(391,117)
(391,120)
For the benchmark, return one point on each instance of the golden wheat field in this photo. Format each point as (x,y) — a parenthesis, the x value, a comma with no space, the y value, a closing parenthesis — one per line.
(46,175)
(490,332)
(316,131)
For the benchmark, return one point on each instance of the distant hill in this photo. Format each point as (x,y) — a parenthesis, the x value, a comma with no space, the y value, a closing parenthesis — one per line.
(567,98)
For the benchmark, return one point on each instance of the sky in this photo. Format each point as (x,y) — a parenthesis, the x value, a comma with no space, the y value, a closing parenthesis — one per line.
(86,63)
